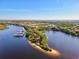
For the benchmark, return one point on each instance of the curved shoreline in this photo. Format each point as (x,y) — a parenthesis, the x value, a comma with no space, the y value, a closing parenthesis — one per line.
(53,53)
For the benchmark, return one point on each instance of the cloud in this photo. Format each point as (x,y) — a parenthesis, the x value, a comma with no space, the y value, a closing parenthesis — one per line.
(40,17)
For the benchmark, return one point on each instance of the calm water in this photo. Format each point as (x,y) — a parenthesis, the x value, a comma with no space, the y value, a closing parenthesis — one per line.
(16,48)
(66,44)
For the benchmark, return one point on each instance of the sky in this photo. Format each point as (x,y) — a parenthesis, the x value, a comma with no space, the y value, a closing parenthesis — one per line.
(39,9)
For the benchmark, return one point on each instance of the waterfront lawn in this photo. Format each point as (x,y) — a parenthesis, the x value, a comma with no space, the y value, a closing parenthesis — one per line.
(2,26)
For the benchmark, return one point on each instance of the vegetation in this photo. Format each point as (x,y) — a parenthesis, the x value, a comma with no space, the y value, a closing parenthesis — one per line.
(3,26)
(71,29)
(39,38)
(35,30)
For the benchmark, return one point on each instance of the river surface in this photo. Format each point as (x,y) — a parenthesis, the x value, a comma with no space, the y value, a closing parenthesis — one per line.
(64,43)
(16,47)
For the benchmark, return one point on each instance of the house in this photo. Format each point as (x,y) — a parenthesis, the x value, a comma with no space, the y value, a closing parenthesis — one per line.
(34,25)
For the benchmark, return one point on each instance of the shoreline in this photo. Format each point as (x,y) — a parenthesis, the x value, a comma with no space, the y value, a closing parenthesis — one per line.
(53,53)
(3,26)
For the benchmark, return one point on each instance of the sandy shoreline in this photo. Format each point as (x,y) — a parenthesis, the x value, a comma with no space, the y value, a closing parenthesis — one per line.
(53,53)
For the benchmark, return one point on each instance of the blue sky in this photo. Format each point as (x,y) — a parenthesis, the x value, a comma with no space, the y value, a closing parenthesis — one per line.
(39,9)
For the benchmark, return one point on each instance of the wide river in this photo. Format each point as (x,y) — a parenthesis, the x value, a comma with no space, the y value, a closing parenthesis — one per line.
(18,48)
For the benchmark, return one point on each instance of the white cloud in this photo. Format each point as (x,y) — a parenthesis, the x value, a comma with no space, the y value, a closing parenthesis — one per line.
(40,17)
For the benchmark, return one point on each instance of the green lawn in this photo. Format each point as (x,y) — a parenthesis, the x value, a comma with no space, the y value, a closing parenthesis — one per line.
(2,26)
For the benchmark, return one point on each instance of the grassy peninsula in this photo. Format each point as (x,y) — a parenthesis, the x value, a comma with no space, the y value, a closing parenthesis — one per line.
(39,38)
(3,26)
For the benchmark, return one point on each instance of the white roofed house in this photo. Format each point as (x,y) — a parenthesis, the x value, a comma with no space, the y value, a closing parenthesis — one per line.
(34,25)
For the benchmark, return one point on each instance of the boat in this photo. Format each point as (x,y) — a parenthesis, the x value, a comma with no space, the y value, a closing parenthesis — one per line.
(19,34)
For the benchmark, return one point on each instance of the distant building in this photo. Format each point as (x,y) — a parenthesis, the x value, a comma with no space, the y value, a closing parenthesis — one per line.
(34,25)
